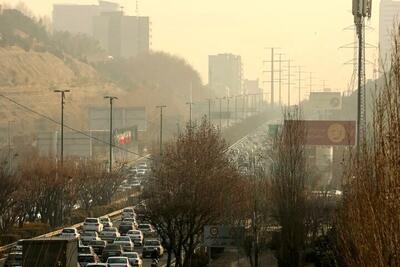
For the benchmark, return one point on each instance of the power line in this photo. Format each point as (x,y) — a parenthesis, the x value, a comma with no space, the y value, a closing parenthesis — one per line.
(69,127)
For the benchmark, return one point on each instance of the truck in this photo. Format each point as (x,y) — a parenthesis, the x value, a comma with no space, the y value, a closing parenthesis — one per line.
(51,252)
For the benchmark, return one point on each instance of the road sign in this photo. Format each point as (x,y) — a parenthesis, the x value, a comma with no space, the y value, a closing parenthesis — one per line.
(328,133)
(220,236)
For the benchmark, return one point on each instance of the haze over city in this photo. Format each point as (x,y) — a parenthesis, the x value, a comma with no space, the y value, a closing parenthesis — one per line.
(187,133)
(309,32)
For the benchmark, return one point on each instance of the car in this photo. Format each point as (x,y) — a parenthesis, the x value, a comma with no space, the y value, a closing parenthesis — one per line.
(88,236)
(106,221)
(142,165)
(150,245)
(124,227)
(111,250)
(147,229)
(132,220)
(98,246)
(109,234)
(125,242)
(134,259)
(118,262)
(85,259)
(13,259)
(70,233)
(92,224)
(128,213)
(141,172)
(136,236)
(85,250)
(97,265)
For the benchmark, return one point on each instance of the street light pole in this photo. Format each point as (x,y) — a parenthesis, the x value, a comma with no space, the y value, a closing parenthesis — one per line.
(111,98)
(220,112)
(190,113)
(209,110)
(161,126)
(227,107)
(62,92)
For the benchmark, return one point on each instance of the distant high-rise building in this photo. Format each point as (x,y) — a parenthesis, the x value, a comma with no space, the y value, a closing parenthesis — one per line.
(225,74)
(122,36)
(389,17)
(119,35)
(79,18)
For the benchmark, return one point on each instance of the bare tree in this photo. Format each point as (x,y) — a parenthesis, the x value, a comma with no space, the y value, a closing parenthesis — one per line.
(189,189)
(368,225)
(289,174)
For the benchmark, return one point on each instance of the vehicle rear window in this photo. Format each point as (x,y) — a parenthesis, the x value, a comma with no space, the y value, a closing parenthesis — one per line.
(116,260)
(84,250)
(97,243)
(68,231)
(84,258)
(152,243)
(91,220)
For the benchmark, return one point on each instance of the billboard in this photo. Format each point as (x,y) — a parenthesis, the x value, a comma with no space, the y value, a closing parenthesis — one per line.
(326,100)
(125,136)
(221,236)
(328,133)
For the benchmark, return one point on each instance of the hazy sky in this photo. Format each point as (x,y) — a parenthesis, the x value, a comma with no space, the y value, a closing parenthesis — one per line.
(309,32)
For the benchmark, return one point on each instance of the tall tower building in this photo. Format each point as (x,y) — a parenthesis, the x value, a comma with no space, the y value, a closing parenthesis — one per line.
(225,74)
(389,19)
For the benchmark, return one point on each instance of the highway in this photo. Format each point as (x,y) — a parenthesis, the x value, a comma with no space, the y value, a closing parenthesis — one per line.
(243,147)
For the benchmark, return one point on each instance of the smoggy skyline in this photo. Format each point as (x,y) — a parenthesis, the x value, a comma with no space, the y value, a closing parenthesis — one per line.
(309,32)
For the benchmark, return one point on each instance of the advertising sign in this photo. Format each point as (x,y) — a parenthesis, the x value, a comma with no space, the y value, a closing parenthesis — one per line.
(221,236)
(328,133)
(125,136)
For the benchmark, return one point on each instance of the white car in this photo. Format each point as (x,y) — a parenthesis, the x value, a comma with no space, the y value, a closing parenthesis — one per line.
(125,242)
(147,229)
(70,233)
(136,236)
(109,234)
(92,224)
(106,221)
(128,213)
(151,245)
(118,262)
(88,236)
(134,259)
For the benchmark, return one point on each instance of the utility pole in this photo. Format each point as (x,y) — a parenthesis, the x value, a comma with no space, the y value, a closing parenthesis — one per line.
(236,114)
(299,83)
(280,78)
(62,92)
(161,126)
(111,98)
(361,10)
(190,112)
(209,110)
(272,71)
(9,146)
(220,112)
(227,107)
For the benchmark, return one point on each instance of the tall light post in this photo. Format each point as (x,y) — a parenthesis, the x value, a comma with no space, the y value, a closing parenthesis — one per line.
(62,92)
(111,99)
(209,110)
(220,112)
(190,112)
(227,107)
(161,126)
(9,145)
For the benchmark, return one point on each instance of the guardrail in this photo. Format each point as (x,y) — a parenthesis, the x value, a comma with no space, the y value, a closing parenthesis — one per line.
(6,249)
